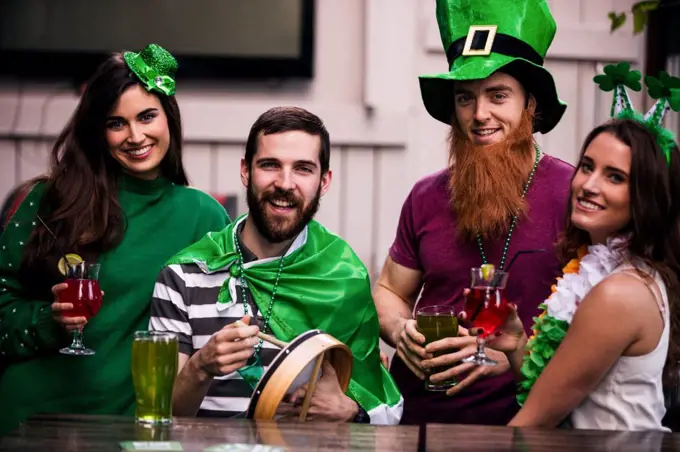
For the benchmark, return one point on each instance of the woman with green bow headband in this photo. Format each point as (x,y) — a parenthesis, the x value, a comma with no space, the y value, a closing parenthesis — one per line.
(117,195)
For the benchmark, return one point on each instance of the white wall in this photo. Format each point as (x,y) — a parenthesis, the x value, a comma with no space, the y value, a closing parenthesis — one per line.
(368,56)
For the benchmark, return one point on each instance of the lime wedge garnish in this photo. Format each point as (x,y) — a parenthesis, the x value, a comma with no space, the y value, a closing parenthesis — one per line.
(72,259)
(487,271)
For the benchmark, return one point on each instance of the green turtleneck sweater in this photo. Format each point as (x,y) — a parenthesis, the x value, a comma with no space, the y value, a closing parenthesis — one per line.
(162,218)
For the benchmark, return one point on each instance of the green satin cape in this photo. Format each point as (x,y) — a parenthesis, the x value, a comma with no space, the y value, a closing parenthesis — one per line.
(323,286)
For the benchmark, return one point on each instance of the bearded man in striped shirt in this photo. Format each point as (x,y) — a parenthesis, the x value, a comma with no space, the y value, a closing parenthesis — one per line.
(283,273)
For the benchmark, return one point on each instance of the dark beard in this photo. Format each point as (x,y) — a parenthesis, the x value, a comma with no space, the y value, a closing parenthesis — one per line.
(272,228)
(486,182)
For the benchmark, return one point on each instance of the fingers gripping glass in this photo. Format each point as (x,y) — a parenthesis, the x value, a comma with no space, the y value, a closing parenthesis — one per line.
(435,323)
(84,294)
(486,308)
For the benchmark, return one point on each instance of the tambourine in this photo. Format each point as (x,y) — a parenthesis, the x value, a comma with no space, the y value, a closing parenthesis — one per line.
(298,363)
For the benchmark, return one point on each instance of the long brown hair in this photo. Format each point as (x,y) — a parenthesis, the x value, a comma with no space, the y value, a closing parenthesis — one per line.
(80,203)
(654,227)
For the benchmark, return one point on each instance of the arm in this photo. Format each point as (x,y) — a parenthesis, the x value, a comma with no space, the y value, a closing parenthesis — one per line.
(400,280)
(591,347)
(191,387)
(226,351)
(27,328)
(395,296)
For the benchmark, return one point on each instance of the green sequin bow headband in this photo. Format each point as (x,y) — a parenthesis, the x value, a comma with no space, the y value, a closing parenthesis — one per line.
(665,89)
(155,67)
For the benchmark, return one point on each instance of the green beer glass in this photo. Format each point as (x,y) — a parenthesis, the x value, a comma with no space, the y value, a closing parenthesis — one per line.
(435,323)
(154,369)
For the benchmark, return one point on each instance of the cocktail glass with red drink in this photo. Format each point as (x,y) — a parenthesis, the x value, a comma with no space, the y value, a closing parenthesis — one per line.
(486,308)
(83,292)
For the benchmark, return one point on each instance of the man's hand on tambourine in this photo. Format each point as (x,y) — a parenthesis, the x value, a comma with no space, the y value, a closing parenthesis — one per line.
(328,402)
(228,350)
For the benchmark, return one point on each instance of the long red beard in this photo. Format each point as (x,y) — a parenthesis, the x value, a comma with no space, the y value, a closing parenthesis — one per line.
(486,182)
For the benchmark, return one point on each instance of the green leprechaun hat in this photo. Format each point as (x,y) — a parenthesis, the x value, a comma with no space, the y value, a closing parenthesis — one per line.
(155,67)
(484,36)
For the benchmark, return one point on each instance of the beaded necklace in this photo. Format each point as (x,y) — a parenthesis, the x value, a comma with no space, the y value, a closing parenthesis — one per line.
(506,246)
(238,272)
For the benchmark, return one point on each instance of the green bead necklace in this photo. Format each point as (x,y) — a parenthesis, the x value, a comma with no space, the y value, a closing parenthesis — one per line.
(506,246)
(238,272)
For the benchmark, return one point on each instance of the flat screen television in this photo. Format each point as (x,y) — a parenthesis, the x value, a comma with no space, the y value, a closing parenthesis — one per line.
(211,39)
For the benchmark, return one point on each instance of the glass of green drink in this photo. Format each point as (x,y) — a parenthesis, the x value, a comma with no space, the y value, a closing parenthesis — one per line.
(435,323)
(154,369)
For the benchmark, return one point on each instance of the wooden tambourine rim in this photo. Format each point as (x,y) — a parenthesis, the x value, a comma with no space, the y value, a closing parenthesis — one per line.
(304,349)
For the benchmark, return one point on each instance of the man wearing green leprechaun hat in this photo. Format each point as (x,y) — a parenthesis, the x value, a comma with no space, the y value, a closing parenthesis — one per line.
(499,195)
(287,273)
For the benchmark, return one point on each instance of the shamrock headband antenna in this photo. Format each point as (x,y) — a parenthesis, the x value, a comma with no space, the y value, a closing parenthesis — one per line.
(665,89)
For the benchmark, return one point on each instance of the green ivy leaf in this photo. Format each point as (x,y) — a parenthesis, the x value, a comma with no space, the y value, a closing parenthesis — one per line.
(639,22)
(645,6)
(640,12)
(617,20)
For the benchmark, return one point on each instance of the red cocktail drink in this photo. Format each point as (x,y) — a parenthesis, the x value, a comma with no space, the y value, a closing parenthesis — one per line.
(487,309)
(85,296)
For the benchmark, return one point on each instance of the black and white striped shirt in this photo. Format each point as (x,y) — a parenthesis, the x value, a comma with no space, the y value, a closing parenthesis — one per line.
(185,302)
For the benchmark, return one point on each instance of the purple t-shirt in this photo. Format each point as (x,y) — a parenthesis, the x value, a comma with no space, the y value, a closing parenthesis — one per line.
(426,241)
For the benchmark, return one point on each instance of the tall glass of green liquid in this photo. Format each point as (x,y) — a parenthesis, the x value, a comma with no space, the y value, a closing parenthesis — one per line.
(435,323)
(154,369)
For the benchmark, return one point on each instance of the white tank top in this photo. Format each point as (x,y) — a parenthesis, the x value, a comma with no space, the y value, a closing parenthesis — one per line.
(630,396)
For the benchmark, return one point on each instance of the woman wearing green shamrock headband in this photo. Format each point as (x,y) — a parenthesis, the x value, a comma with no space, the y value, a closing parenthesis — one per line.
(116,194)
(610,331)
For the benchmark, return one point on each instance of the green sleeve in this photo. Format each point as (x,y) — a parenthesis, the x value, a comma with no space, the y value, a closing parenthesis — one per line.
(26,326)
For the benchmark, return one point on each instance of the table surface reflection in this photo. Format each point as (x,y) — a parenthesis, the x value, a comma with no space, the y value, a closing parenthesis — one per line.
(441,437)
(105,433)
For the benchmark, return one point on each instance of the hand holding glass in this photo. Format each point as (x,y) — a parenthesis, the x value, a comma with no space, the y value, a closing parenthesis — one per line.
(84,294)
(486,308)
(435,323)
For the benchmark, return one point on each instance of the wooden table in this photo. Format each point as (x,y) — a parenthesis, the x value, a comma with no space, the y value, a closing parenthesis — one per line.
(440,437)
(105,433)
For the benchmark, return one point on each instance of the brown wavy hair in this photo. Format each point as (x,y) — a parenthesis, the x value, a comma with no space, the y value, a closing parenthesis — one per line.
(80,203)
(654,227)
